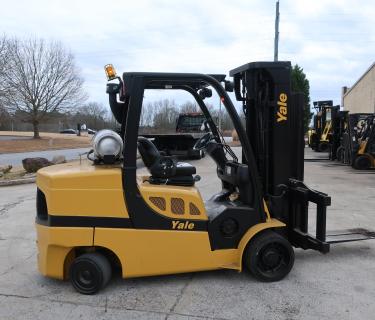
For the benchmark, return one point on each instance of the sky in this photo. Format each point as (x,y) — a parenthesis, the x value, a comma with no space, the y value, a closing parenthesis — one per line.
(332,40)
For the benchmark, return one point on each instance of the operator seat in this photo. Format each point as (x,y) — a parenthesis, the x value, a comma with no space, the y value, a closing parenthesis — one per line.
(165,169)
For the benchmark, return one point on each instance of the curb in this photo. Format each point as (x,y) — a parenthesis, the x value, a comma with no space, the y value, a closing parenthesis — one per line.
(7,183)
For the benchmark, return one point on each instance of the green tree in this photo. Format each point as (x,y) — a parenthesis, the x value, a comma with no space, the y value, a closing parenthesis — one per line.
(301,84)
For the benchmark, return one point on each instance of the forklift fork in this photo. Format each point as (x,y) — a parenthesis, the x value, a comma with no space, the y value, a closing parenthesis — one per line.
(299,197)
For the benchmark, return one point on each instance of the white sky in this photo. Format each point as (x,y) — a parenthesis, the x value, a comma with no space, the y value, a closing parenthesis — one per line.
(333,40)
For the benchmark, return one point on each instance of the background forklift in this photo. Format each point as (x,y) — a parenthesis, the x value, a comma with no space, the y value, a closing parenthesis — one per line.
(320,137)
(92,216)
(340,124)
(357,143)
(363,154)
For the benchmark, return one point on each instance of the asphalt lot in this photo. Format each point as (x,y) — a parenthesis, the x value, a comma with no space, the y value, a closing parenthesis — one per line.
(6,138)
(339,285)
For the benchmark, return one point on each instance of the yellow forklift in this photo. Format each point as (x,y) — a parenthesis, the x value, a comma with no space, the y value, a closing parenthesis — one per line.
(364,151)
(357,142)
(98,215)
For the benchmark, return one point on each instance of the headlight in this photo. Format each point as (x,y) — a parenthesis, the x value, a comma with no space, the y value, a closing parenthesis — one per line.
(107,146)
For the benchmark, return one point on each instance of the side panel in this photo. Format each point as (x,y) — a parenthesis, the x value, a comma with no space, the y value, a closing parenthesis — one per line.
(81,189)
(54,244)
(156,252)
(171,197)
(86,202)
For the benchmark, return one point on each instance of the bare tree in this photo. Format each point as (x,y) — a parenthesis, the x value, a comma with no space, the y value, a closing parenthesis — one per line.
(43,78)
(93,114)
(189,107)
(4,53)
(4,118)
(147,115)
(166,115)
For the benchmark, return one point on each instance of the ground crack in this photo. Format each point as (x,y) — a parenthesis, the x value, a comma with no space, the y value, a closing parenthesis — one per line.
(14,296)
(171,310)
(11,205)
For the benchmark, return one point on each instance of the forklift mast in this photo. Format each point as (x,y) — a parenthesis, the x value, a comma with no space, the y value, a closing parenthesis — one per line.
(274,126)
(339,125)
(274,121)
(323,114)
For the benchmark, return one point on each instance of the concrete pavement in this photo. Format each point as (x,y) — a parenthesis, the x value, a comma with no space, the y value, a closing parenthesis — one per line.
(339,285)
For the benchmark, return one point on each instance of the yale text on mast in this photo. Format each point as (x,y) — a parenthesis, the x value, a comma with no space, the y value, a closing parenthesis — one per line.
(282,113)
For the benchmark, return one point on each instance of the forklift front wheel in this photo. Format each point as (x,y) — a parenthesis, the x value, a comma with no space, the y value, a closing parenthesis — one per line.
(90,272)
(269,257)
(323,146)
(362,162)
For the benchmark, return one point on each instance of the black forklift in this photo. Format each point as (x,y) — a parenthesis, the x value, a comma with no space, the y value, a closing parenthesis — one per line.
(340,122)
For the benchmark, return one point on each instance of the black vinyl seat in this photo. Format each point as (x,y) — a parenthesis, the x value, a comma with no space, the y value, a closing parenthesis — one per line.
(165,169)
(185,169)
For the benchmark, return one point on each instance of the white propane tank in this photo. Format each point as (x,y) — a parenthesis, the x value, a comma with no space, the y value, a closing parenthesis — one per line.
(107,143)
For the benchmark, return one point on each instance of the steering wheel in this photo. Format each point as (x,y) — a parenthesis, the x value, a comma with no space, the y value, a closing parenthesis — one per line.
(203,141)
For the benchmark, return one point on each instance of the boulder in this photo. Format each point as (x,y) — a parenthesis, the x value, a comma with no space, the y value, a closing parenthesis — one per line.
(5,169)
(58,159)
(34,164)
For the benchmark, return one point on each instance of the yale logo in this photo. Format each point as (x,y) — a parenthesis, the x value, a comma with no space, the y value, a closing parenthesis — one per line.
(282,113)
(178,225)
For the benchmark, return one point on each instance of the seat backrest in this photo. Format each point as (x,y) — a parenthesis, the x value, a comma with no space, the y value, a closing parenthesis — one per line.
(148,151)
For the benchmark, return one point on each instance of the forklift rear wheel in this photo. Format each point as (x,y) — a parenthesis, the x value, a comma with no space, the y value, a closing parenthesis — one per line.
(269,257)
(362,163)
(90,272)
(323,147)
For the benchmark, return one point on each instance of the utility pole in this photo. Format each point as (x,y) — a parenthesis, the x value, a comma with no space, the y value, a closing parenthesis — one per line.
(276,49)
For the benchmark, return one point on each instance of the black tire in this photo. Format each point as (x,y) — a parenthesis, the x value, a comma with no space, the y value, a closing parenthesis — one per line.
(269,257)
(340,154)
(323,147)
(362,162)
(90,272)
